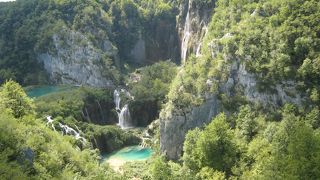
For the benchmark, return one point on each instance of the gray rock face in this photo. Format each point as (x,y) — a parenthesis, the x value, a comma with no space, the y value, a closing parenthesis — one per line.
(284,92)
(175,124)
(74,60)
(161,42)
(192,26)
(138,53)
(26,156)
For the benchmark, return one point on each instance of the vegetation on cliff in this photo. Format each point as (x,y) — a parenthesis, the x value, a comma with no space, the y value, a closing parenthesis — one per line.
(27,29)
(275,42)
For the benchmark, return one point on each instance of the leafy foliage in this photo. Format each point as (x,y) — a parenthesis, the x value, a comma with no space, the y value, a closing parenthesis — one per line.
(29,149)
(214,147)
(152,82)
(288,149)
(15,99)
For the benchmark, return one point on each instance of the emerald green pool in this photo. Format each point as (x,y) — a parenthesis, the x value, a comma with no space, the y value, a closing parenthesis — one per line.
(38,91)
(130,153)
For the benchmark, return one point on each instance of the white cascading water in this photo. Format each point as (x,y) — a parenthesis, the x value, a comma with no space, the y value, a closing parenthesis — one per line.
(123,113)
(125,118)
(186,36)
(70,131)
(50,122)
(117,99)
(66,129)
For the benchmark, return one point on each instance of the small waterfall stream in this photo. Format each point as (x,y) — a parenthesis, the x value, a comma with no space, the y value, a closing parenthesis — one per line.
(70,131)
(66,129)
(117,99)
(123,113)
(100,110)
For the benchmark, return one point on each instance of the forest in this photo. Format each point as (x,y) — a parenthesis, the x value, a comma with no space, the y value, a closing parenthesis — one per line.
(244,104)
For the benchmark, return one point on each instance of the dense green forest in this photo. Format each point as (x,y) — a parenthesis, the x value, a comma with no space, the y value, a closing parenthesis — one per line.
(259,62)
(27,28)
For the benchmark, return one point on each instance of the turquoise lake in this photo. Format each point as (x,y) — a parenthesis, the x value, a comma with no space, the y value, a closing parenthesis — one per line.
(130,153)
(38,91)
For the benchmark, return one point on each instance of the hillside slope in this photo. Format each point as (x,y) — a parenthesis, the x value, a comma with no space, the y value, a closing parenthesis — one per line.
(87,42)
(264,54)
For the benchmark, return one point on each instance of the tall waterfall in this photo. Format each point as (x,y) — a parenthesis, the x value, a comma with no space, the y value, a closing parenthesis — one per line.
(123,113)
(186,36)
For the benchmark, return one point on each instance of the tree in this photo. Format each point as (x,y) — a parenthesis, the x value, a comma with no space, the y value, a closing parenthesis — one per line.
(207,173)
(294,152)
(160,170)
(313,118)
(189,156)
(247,125)
(214,148)
(15,99)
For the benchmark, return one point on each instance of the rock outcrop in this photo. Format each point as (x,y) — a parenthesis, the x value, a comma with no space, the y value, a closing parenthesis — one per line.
(175,124)
(160,42)
(75,60)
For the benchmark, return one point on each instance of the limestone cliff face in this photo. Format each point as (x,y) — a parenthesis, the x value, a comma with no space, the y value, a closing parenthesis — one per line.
(159,42)
(75,60)
(175,123)
(193,20)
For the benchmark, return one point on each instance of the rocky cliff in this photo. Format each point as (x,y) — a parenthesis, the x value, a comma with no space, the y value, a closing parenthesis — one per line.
(192,23)
(75,60)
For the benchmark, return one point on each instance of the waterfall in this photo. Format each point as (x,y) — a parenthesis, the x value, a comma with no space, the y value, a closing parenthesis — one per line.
(88,116)
(70,131)
(117,99)
(125,118)
(100,110)
(50,122)
(186,36)
(123,113)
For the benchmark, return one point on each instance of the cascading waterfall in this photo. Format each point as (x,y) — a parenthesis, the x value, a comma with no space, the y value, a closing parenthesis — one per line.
(66,129)
(70,131)
(50,122)
(186,36)
(124,117)
(123,113)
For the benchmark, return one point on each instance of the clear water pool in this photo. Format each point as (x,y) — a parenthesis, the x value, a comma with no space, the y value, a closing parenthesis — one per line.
(38,91)
(130,153)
